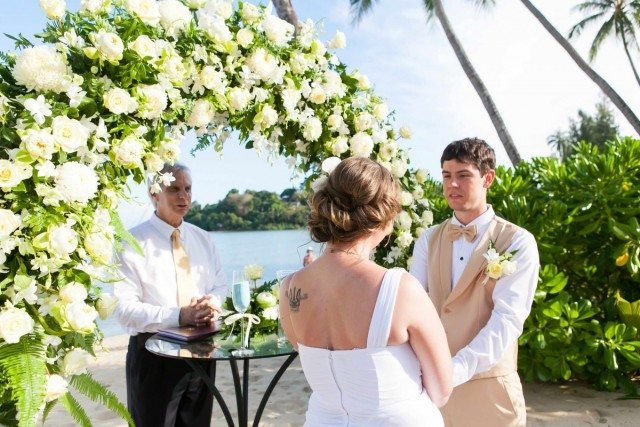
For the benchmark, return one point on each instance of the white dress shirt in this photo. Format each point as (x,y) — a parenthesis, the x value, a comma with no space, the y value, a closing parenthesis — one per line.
(148,293)
(512,296)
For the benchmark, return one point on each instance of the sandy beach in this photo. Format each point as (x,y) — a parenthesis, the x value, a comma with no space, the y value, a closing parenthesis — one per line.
(573,404)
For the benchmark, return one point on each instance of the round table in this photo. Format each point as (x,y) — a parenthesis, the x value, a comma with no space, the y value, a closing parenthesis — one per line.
(215,349)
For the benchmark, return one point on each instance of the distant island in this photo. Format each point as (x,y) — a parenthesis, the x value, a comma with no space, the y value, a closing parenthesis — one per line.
(252,210)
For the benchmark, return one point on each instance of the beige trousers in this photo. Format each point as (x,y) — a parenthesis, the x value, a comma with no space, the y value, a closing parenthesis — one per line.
(487,402)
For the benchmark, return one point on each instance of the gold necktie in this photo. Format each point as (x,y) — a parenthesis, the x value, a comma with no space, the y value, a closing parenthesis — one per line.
(186,288)
(455,231)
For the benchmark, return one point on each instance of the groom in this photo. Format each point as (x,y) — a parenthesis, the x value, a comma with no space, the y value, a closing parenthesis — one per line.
(483,297)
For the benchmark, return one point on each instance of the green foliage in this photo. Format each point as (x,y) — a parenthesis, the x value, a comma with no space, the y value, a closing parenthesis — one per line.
(97,392)
(75,410)
(22,365)
(266,326)
(252,210)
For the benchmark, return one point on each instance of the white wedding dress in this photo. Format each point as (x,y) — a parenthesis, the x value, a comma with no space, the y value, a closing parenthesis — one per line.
(380,385)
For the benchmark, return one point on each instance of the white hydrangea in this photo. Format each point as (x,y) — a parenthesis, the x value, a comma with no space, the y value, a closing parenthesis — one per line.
(361,144)
(42,68)
(76,183)
(147,10)
(152,101)
(69,134)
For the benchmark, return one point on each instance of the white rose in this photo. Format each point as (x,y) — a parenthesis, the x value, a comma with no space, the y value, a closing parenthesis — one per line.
(106,305)
(363,122)
(508,267)
(76,182)
(399,167)
(271,313)
(406,198)
(147,10)
(69,134)
(387,151)
(144,47)
(339,41)
(329,164)
(129,152)
(55,388)
(361,144)
(153,163)
(169,152)
(419,232)
(405,132)
(421,176)
(249,12)
(118,101)
(335,122)
(54,9)
(238,98)
(174,16)
(380,111)
(174,69)
(152,101)
(494,269)
(312,129)
(404,239)
(363,81)
(93,6)
(418,193)
(109,45)
(43,69)
(317,96)
(75,362)
(403,219)
(492,255)
(99,247)
(266,118)
(298,63)
(9,222)
(277,30)
(202,114)
(427,218)
(62,240)
(81,317)
(14,323)
(340,145)
(244,37)
(73,292)
(11,174)
(212,79)
(39,143)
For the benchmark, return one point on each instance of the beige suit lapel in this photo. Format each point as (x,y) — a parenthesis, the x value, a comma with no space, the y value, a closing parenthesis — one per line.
(439,261)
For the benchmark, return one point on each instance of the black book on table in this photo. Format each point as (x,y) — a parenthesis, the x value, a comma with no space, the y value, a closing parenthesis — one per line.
(189,333)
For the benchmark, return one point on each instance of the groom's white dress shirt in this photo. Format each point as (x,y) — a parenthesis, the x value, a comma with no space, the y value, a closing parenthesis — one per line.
(147,293)
(512,296)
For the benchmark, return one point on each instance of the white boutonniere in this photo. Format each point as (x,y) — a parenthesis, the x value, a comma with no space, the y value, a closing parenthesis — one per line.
(499,264)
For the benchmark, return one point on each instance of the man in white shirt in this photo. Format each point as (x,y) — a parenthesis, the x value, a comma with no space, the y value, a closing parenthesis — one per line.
(482,301)
(177,280)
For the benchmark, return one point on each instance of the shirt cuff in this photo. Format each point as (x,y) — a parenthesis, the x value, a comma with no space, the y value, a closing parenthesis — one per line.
(173,319)
(460,372)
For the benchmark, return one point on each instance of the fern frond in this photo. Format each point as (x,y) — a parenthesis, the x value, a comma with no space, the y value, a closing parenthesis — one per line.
(123,233)
(75,410)
(97,392)
(47,408)
(24,365)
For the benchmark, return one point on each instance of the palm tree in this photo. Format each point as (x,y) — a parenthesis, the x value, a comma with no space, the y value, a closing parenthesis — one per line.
(434,8)
(286,11)
(602,84)
(619,17)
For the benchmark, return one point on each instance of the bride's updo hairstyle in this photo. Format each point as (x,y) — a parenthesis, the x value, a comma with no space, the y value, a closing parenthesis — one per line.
(358,197)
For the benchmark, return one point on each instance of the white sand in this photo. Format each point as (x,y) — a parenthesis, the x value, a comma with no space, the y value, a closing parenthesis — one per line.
(573,404)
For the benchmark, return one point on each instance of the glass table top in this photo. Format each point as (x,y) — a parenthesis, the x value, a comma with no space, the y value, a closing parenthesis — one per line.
(217,348)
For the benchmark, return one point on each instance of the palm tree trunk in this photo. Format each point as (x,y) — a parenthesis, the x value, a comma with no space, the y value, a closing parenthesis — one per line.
(602,84)
(626,50)
(478,85)
(286,11)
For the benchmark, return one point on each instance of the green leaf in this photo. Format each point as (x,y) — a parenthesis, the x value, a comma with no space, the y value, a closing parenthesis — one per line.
(123,233)
(610,359)
(75,410)
(97,392)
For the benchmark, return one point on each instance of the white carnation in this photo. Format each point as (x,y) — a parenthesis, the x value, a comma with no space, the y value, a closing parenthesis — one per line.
(361,144)
(403,219)
(318,95)
(54,9)
(238,98)
(39,143)
(399,167)
(363,122)
(380,111)
(109,45)
(69,134)
(404,239)
(174,16)
(312,129)
(277,30)
(55,388)
(129,152)
(339,41)
(106,305)
(421,176)
(76,362)
(202,114)
(62,240)
(406,199)
(14,323)
(405,132)
(152,101)
(212,79)
(9,222)
(244,37)
(43,69)
(76,182)
(263,64)
(147,10)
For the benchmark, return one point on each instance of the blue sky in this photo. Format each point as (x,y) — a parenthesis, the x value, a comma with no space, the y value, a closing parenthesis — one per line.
(535,85)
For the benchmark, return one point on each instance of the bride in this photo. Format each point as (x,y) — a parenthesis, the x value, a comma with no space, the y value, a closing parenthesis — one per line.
(371,345)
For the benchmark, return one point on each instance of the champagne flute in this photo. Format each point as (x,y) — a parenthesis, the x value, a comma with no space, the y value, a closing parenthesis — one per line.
(280,276)
(241,297)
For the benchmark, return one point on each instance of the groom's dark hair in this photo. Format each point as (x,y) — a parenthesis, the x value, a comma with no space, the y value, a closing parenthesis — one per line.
(473,151)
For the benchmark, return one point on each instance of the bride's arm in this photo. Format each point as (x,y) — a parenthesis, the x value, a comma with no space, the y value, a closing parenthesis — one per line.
(285,319)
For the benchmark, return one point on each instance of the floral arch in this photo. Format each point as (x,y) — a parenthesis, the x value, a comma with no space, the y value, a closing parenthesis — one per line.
(107,95)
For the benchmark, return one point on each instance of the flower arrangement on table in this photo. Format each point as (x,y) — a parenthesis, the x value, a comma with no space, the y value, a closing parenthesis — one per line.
(264,305)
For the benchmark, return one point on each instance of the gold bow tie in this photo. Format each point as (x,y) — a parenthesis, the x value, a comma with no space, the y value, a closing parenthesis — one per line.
(455,231)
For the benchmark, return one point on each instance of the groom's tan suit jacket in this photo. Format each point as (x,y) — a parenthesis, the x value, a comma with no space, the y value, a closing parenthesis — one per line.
(492,398)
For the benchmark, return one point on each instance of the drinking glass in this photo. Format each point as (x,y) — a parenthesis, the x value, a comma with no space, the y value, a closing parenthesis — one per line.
(280,276)
(241,297)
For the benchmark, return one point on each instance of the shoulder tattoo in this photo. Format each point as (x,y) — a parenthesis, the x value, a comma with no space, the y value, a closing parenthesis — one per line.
(295,296)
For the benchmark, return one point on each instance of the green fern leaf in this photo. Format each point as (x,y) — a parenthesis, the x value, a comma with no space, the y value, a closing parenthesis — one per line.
(123,233)
(47,408)
(24,365)
(74,409)
(97,392)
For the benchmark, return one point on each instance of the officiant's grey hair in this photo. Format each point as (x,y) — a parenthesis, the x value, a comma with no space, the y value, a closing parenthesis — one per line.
(166,168)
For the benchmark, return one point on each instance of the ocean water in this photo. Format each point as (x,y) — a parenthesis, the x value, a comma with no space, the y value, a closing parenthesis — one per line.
(273,250)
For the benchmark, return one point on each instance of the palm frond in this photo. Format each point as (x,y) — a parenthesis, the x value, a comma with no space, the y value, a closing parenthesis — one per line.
(359,8)
(97,392)
(601,35)
(74,409)
(577,29)
(24,365)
